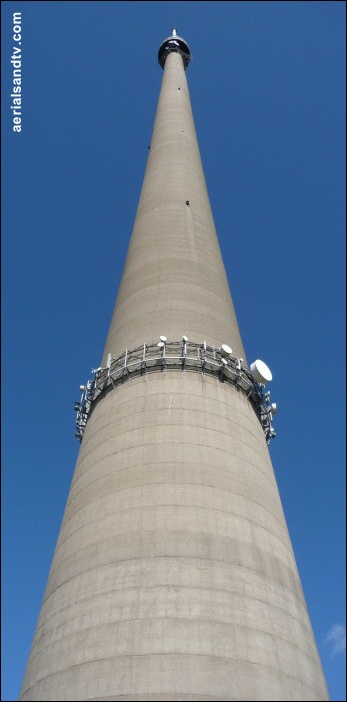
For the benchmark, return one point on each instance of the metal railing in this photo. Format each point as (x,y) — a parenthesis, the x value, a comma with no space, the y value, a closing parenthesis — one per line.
(181,355)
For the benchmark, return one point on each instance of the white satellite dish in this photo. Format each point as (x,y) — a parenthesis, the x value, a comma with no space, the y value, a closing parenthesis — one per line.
(162,338)
(225,350)
(161,344)
(184,338)
(260,371)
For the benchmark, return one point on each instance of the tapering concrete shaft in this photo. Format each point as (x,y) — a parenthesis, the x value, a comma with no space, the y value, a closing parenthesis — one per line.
(174,577)
(174,281)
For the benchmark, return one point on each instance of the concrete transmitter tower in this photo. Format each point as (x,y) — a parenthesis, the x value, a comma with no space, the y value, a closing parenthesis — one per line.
(174,577)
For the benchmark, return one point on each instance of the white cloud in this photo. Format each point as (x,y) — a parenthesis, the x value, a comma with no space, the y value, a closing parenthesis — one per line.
(336,638)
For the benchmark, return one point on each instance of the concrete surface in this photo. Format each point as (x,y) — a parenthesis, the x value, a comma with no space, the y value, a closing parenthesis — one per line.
(173,577)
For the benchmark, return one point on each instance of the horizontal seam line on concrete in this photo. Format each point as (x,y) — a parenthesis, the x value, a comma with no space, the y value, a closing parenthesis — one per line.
(223,469)
(141,558)
(195,655)
(161,482)
(180,587)
(195,485)
(142,444)
(183,425)
(167,441)
(182,406)
(176,261)
(186,507)
(201,507)
(197,373)
(192,372)
(180,619)
(171,443)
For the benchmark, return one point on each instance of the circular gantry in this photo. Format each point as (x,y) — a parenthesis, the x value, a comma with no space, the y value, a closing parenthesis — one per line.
(181,355)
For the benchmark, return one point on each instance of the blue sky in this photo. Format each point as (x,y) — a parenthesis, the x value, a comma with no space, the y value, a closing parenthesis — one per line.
(267,84)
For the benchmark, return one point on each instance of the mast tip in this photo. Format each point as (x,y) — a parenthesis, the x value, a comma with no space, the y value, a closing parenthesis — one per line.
(174,44)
